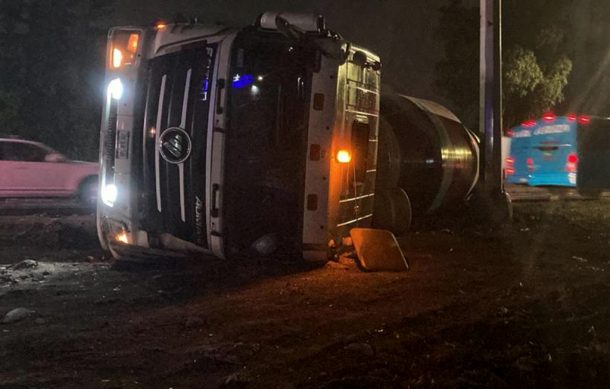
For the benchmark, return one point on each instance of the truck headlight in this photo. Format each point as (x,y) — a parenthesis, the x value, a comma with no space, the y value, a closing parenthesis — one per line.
(109,194)
(115,89)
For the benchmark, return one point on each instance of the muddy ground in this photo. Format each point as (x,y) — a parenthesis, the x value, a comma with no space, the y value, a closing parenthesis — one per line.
(524,306)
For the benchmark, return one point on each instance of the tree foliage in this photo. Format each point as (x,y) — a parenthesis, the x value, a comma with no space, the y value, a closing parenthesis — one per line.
(536,62)
(51,58)
(530,88)
(522,74)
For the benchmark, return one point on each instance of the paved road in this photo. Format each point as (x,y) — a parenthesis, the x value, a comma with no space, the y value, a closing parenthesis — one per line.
(71,206)
(44,205)
(548,193)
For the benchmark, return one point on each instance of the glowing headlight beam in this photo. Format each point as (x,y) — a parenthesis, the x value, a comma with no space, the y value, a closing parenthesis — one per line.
(109,194)
(115,89)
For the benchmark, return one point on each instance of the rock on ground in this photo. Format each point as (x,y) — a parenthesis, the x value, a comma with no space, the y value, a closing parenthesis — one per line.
(17,314)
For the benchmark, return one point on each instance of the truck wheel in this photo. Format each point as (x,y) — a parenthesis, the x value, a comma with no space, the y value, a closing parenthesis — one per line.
(87,192)
(392,210)
(389,157)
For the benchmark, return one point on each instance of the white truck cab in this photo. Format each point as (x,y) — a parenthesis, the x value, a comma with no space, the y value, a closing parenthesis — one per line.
(231,142)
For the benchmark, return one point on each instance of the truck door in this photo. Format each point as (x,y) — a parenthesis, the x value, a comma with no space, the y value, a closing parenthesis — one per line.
(264,169)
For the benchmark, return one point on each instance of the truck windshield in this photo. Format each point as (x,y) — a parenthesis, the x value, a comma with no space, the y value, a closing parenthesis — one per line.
(267,132)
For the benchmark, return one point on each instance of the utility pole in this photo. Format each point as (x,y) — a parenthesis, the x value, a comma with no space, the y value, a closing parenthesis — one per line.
(490,117)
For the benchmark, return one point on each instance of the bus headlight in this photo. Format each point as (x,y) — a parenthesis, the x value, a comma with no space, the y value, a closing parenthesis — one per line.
(115,89)
(109,194)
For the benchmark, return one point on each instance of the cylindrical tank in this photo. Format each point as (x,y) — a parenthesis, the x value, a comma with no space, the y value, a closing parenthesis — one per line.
(425,150)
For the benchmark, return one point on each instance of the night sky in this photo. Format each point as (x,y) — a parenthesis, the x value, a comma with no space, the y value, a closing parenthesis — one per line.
(400,31)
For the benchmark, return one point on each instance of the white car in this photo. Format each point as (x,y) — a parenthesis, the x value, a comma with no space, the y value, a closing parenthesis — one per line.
(31,169)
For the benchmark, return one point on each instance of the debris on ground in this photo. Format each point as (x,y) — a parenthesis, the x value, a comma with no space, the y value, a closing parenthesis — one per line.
(17,314)
(25,264)
(579,259)
(503,309)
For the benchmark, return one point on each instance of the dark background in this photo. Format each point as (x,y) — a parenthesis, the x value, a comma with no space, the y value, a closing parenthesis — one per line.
(52,54)
(401,32)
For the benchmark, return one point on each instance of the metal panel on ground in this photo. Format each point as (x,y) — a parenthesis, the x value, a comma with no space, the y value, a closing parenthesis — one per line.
(378,250)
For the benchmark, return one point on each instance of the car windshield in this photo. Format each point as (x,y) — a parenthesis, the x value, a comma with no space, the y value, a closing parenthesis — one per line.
(25,152)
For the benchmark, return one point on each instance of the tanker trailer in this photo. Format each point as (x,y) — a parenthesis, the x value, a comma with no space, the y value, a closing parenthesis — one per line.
(428,161)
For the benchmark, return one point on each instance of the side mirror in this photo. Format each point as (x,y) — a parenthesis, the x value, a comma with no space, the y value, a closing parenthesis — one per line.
(54,157)
(360,59)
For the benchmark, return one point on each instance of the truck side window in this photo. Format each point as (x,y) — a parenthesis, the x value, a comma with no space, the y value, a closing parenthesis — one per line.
(360,145)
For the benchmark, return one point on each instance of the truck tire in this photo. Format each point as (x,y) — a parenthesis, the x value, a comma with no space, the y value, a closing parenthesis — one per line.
(392,210)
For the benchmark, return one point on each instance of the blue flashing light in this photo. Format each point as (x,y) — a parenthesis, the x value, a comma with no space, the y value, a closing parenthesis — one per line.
(242,81)
(204,89)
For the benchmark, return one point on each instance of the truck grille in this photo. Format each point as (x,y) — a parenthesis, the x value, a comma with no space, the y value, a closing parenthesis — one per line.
(175,143)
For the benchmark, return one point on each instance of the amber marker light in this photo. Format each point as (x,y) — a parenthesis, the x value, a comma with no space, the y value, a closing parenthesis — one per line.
(117,58)
(125,46)
(132,43)
(344,156)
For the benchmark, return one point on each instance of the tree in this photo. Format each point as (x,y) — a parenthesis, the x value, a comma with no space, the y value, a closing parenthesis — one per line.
(531,88)
(536,63)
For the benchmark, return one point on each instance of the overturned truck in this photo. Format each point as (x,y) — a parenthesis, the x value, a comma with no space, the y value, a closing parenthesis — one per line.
(231,142)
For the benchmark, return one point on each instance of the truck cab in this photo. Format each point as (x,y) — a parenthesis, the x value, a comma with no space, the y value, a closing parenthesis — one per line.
(225,142)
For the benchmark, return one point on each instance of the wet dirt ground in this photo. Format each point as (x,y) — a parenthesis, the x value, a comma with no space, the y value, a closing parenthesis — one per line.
(527,305)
